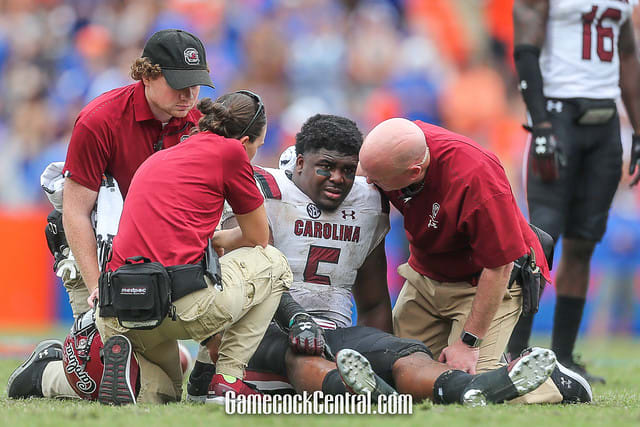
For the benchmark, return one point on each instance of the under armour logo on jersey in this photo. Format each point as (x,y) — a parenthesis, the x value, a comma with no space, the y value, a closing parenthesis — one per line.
(351,214)
(313,211)
(523,85)
(554,106)
(541,144)
(432,218)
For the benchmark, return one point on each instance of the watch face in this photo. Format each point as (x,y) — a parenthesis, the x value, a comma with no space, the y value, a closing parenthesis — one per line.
(470,339)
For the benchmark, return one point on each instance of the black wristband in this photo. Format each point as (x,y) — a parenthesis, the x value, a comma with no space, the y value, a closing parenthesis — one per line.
(287,308)
(530,80)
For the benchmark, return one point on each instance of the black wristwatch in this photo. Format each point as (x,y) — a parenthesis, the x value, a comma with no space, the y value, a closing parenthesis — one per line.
(469,339)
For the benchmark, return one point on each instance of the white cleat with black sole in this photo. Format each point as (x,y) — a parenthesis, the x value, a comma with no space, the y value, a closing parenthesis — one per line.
(358,375)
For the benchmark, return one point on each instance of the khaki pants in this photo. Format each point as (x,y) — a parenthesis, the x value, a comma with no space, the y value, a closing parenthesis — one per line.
(78,295)
(435,313)
(253,282)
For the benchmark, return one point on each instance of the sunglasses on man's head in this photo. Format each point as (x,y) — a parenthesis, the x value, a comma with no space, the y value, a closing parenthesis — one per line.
(260,108)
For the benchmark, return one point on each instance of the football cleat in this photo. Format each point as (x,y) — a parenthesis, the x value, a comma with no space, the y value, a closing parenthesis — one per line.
(26,380)
(573,386)
(579,368)
(519,377)
(223,384)
(358,376)
(116,387)
(199,380)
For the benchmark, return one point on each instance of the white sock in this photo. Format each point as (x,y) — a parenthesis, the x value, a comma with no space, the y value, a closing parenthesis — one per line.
(54,382)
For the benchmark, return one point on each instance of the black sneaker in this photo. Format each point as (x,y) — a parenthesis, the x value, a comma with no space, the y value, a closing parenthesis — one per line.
(573,386)
(26,380)
(357,374)
(579,367)
(116,387)
(199,380)
(519,377)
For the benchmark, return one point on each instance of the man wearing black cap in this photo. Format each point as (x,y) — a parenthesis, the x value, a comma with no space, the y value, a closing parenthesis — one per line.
(113,135)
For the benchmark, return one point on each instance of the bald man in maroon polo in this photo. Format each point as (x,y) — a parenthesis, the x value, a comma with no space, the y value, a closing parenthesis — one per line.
(464,230)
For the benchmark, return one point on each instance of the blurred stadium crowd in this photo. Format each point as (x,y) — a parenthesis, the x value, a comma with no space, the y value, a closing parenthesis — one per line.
(447,62)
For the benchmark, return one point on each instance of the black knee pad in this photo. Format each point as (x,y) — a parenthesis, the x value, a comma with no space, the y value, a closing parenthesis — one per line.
(270,354)
(380,348)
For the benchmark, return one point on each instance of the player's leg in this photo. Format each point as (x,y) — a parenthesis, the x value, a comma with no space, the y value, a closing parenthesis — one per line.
(548,203)
(593,194)
(27,380)
(572,282)
(460,297)
(409,365)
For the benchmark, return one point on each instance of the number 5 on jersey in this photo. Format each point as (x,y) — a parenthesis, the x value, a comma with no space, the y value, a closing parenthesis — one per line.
(318,254)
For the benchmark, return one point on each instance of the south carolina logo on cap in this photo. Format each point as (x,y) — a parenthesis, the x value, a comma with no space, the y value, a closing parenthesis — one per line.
(191,56)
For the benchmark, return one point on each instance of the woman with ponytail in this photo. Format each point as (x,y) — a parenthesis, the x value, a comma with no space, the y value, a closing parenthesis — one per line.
(174,205)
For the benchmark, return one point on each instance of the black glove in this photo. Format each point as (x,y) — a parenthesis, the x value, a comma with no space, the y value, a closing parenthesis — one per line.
(544,154)
(56,238)
(635,159)
(305,336)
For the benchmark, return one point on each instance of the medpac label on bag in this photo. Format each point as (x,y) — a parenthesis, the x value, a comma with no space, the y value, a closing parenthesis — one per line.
(133,290)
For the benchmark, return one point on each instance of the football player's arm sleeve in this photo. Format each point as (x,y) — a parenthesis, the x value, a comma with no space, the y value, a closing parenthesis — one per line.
(529,22)
(630,75)
(371,293)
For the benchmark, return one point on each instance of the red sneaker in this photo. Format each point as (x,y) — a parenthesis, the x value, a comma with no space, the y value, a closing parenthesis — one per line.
(222,384)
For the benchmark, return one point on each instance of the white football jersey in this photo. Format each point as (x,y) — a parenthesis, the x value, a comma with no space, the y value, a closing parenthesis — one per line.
(580,58)
(325,249)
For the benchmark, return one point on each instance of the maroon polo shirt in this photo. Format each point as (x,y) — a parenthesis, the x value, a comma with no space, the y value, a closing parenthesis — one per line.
(465,218)
(176,198)
(115,133)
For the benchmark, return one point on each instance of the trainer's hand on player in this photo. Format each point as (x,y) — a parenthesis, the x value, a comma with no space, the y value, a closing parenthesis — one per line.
(305,336)
(544,153)
(634,163)
(460,356)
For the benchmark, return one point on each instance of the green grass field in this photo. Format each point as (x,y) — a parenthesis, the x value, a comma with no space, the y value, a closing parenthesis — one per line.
(617,404)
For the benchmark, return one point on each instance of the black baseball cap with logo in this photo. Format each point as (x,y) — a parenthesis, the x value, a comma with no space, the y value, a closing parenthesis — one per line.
(181,57)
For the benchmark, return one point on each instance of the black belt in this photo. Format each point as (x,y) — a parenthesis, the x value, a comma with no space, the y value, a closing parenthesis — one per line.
(185,279)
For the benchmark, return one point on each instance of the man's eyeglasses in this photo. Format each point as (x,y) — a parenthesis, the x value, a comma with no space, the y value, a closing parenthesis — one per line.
(260,108)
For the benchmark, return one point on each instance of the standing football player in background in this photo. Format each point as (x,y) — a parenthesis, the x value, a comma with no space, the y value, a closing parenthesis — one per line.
(573,59)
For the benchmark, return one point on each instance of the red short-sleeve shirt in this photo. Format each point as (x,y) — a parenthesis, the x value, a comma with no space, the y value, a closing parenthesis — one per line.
(465,218)
(115,133)
(176,199)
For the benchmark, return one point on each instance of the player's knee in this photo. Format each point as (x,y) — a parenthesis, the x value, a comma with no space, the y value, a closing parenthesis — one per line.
(578,250)
(395,348)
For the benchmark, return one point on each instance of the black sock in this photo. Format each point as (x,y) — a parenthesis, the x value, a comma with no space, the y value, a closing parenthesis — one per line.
(520,336)
(566,323)
(332,383)
(200,378)
(449,386)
